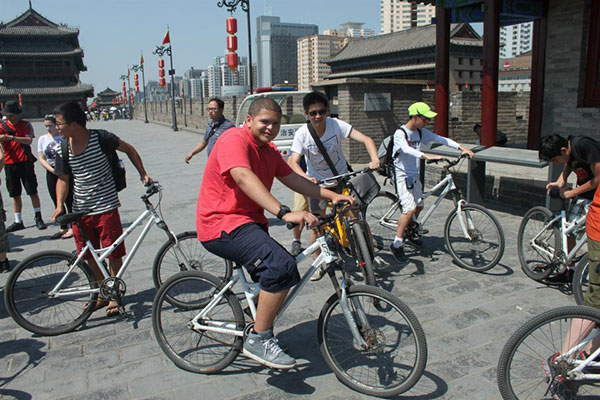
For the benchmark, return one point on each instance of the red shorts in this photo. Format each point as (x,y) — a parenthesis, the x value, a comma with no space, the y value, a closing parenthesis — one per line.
(101,228)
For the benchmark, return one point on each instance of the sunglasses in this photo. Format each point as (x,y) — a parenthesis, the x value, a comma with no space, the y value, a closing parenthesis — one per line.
(322,111)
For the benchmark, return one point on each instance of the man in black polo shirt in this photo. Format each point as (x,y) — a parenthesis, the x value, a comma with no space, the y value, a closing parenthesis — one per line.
(217,125)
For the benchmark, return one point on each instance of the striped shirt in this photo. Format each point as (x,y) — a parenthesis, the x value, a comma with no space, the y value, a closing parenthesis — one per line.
(93,185)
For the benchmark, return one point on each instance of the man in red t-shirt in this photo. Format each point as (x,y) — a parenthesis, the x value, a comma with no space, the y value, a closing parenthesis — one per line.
(231,223)
(16,136)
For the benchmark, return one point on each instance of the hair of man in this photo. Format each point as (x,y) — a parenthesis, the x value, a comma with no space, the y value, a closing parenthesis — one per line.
(220,103)
(71,112)
(314,98)
(263,103)
(50,117)
(550,147)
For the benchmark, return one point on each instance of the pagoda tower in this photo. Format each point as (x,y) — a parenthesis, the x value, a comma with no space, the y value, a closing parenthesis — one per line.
(40,62)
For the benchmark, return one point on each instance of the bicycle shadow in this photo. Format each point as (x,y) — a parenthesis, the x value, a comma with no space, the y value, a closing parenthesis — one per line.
(32,348)
(302,344)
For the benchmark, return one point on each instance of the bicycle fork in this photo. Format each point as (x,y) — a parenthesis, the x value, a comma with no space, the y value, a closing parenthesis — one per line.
(360,313)
(467,225)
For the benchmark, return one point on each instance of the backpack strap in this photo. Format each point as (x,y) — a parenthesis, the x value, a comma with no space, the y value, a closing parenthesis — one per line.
(8,129)
(319,144)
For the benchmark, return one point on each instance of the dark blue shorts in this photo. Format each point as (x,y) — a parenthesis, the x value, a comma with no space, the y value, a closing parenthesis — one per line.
(267,262)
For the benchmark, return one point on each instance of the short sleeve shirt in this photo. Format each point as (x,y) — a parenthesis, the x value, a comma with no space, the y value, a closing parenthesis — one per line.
(14,152)
(584,152)
(222,206)
(214,130)
(48,145)
(335,132)
(93,184)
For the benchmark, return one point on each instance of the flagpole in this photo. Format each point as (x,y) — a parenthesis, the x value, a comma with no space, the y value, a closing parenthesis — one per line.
(160,50)
(140,67)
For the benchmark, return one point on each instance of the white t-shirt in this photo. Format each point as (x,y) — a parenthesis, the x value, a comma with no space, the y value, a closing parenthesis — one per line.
(48,145)
(407,160)
(316,166)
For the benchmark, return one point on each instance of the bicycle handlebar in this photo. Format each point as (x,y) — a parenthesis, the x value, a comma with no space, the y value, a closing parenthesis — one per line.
(153,188)
(450,163)
(323,219)
(341,177)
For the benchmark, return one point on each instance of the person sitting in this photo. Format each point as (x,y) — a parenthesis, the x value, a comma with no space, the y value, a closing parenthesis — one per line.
(500,136)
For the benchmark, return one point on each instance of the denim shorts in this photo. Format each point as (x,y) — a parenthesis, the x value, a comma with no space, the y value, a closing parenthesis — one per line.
(267,262)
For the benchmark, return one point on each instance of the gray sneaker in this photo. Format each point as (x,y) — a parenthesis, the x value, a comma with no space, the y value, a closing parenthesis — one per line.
(296,248)
(267,351)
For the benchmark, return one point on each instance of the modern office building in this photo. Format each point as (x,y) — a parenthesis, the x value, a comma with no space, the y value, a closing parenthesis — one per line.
(516,39)
(514,74)
(276,48)
(350,29)
(220,78)
(397,15)
(312,52)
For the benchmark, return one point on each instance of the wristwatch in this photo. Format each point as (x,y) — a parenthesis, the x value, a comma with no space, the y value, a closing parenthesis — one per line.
(282,211)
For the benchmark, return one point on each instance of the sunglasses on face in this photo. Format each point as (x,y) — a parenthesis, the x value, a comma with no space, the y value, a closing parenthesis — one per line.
(315,112)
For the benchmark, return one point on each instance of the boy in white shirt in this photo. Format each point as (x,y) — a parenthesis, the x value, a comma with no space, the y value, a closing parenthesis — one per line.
(407,143)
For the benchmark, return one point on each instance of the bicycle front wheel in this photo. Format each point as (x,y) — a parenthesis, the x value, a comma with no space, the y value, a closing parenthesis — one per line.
(382,216)
(193,350)
(365,262)
(27,293)
(483,245)
(580,280)
(537,264)
(188,255)
(528,366)
(396,354)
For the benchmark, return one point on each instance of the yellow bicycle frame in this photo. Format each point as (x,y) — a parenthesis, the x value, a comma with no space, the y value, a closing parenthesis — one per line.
(339,231)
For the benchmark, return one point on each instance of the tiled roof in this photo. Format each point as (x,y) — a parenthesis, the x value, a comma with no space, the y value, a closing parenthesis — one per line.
(24,53)
(108,91)
(395,42)
(32,23)
(79,88)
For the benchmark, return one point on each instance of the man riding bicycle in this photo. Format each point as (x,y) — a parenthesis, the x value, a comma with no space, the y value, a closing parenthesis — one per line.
(231,223)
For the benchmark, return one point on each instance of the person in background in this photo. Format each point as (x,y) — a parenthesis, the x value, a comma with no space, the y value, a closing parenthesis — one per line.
(47,145)
(500,136)
(4,264)
(217,125)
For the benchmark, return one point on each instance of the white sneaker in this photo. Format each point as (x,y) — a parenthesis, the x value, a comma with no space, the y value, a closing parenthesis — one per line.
(319,273)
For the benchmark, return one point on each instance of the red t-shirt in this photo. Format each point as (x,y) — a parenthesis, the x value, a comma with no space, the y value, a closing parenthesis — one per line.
(13,151)
(222,206)
(592,221)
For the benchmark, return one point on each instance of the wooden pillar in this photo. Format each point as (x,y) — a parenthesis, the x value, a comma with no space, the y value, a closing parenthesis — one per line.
(442,69)
(489,84)
(538,75)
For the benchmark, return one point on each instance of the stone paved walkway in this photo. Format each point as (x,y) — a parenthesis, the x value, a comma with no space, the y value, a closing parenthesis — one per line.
(467,316)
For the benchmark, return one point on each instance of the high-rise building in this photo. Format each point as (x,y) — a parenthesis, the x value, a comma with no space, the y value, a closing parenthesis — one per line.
(398,15)
(312,52)
(350,29)
(276,45)
(516,39)
(223,82)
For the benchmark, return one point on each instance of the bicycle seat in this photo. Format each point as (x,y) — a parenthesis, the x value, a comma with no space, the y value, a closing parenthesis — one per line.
(70,217)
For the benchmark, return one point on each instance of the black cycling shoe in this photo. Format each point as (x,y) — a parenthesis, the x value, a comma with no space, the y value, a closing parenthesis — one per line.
(565,277)
(398,253)
(16,226)
(4,266)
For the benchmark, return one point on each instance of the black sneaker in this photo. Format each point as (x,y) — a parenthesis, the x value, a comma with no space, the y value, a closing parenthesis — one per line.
(39,223)
(398,253)
(4,266)
(565,277)
(16,226)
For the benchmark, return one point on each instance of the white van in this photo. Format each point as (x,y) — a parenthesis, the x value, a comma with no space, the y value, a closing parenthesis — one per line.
(292,116)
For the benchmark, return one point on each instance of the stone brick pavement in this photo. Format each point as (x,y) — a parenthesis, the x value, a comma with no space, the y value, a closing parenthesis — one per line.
(467,316)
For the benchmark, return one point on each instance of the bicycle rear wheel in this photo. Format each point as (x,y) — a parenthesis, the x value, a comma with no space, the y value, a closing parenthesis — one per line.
(537,265)
(27,300)
(527,369)
(196,351)
(580,280)
(382,216)
(397,352)
(365,262)
(189,255)
(484,247)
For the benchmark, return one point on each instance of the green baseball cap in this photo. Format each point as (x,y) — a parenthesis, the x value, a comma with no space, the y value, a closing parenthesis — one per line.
(422,110)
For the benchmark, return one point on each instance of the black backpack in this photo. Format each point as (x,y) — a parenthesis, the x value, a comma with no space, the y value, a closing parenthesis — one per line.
(116,165)
(386,159)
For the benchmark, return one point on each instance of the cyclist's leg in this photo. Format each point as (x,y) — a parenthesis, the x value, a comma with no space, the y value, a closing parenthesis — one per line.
(580,328)
(300,204)
(408,200)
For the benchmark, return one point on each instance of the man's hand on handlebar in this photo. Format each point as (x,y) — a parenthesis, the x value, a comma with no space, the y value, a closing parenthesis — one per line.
(146,180)
(433,157)
(341,197)
(300,217)
(374,164)
(467,152)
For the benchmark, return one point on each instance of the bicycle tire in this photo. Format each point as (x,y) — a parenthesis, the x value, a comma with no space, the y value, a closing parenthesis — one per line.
(580,280)
(167,261)
(365,262)
(30,307)
(524,358)
(383,235)
(396,370)
(485,248)
(193,351)
(534,264)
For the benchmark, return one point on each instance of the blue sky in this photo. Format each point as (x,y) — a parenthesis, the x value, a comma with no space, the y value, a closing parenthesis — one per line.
(114,32)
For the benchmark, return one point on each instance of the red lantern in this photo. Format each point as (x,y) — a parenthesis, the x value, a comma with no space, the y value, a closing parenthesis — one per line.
(20,100)
(232,59)
(161,72)
(162,81)
(161,63)
(136,82)
(131,98)
(231,25)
